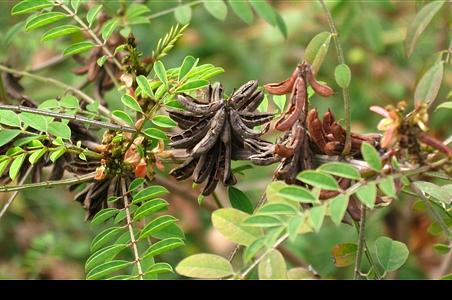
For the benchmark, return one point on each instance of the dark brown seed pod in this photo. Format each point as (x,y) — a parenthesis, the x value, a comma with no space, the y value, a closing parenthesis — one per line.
(217,132)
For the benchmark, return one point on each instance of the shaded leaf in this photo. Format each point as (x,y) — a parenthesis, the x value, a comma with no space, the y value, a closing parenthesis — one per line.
(104,215)
(239,200)
(344,254)
(217,9)
(343,75)
(418,25)
(106,236)
(242,10)
(428,87)
(252,249)
(182,13)
(391,254)
(317,49)
(103,255)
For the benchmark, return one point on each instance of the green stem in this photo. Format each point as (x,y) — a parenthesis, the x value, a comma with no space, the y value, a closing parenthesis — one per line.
(133,240)
(57,83)
(14,195)
(345,91)
(48,184)
(171,10)
(361,240)
(75,118)
(217,200)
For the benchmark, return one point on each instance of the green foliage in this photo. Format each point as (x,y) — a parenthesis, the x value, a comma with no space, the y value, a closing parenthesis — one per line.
(103,262)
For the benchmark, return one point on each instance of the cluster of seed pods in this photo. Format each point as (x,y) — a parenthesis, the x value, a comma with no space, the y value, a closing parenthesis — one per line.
(216,132)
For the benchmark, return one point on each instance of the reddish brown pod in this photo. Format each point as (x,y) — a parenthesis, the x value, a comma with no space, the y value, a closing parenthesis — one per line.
(283,87)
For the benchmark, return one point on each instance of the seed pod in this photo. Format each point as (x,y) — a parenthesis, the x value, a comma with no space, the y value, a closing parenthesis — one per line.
(283,87)
(212,135)
(190,105)
(432,142)
(298,102)
(321,89)
(255,119)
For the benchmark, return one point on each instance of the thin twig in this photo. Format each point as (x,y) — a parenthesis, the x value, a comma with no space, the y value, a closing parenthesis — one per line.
(217,200)
(14,195)
(91,33)
(171,10)
(57,59)
(75,118)
(258,260)
(132,235)
(361,239)
(236,249)
(432,211)
(57,83)
(345,91)
(48,184)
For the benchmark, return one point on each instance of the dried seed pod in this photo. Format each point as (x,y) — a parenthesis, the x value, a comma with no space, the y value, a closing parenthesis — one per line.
(298,101)
(283,87)
(218,132)
(321,89)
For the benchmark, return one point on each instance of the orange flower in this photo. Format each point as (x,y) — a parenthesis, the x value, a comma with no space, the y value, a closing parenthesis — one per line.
(389,124)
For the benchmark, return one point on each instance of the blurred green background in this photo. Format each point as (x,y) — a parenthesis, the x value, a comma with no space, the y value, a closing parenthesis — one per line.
(44,234)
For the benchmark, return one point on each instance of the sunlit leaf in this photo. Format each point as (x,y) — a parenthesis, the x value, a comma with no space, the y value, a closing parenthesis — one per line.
(243,10)
(207,266)
(43,19)
(228,221)
(318,179)
(272,266)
